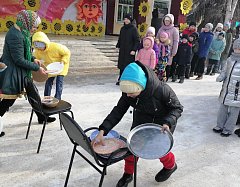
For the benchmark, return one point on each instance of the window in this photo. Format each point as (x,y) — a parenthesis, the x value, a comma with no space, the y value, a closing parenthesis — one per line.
(124,7)
(162,7)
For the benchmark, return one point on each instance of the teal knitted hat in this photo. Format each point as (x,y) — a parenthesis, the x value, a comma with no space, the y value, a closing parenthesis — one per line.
(134,73)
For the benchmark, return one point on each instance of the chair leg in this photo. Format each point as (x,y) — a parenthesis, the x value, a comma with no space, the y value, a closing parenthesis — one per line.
(71,114)
(70,166)
(43,129)
(60,121)
(29,124)
(135,171)
(102,176)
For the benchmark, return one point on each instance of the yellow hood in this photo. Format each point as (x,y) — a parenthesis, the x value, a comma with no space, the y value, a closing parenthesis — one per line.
(41,37)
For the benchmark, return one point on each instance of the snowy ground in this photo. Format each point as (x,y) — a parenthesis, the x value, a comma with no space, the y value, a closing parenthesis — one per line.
(203,157)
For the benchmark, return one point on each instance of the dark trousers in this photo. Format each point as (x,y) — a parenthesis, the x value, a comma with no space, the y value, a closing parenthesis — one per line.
(187,71)
(194,63)
(5,104)
(200,66)
(168,71)
(181,70)
(59,86)
(212,66)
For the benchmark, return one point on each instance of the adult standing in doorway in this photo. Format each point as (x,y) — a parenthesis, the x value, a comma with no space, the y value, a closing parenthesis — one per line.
(173,33)
(128,43)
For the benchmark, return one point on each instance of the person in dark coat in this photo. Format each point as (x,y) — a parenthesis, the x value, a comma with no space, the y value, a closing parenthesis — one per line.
(195,46)
(205,40)
(128,43)
(153,102)
(19,61)
(184,58)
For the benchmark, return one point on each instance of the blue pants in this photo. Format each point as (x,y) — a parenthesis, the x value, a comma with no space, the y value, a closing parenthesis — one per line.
(59,86)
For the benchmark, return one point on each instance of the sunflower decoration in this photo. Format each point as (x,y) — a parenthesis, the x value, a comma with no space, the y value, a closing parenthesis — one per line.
(69,27)
(144,9)
(85,30)
(183,26)
(186,6)
(100,29)
(33,5)
(93,29)
(45,26)
(57,26)
(142,29)
(78,28)
(8,22)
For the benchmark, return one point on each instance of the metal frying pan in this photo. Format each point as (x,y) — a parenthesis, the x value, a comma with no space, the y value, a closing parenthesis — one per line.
(148,142)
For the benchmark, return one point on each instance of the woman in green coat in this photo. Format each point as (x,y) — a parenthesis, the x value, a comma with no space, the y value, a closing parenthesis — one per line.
(19,61)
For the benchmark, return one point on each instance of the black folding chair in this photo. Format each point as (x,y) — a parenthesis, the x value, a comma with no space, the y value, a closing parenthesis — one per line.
(79,138)
(37,106)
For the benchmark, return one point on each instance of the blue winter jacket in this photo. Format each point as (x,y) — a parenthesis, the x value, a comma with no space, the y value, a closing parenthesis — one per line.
(216,49)
(205,40)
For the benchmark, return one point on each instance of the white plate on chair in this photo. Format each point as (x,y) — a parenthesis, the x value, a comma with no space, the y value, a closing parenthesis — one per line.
(55,68)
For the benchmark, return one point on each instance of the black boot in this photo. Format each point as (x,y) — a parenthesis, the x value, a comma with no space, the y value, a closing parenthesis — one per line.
(237,132)
(2,134)
(164,174)
(126,178)
(181,79)
(49,120)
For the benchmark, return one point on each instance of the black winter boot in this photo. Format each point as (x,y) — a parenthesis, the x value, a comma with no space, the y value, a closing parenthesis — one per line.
(164,174)
(126,178)
(237,132)
(181,79)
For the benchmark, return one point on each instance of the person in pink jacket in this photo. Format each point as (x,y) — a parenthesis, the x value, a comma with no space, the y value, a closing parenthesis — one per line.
(173,33)
(147,55)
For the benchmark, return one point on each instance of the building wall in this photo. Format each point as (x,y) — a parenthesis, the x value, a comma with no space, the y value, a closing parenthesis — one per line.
(117,25)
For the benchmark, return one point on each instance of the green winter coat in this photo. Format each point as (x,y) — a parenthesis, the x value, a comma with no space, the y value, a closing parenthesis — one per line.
(12,79)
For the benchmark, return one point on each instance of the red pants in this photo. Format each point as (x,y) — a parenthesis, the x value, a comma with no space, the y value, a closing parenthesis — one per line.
(168,162)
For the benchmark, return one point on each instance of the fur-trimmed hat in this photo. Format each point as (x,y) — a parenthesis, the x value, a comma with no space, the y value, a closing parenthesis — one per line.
(210,26)
(236,44)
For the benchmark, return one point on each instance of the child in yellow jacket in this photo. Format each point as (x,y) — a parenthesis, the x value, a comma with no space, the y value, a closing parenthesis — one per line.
(51,52)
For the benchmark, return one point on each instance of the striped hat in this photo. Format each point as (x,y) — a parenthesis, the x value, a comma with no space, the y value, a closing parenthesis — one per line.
(27,19)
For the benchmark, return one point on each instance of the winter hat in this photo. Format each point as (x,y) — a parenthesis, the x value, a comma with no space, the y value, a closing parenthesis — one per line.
(163,34)
(219,25)
(133,79)
(151,30)
(129,16)
(185,36)
(209,25)
(149,38)
(192,24)
(170,17)
(236,44)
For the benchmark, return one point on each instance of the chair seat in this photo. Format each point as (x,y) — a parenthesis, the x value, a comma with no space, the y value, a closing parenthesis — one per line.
(108,162)
(61,107)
